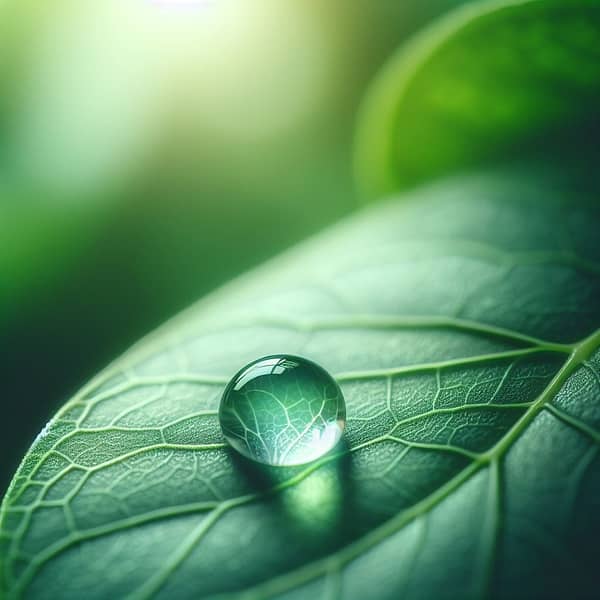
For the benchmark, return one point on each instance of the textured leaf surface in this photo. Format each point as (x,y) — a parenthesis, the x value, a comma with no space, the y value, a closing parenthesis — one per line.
(487,80)
(462,328)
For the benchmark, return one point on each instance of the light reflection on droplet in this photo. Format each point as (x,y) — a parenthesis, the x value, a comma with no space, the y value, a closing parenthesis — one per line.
(282,410)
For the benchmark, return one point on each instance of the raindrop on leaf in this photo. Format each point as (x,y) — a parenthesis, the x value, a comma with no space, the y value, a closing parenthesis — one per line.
(282,410)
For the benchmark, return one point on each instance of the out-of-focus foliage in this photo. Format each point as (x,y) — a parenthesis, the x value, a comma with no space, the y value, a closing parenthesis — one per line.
(435,109)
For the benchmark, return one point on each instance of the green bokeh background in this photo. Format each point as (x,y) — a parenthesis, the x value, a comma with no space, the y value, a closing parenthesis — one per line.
(151,150)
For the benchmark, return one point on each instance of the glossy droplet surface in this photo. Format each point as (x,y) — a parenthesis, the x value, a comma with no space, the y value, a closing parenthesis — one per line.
(282,410)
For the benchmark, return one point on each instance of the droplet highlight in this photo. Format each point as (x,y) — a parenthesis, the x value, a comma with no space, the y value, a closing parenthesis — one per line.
(282,410)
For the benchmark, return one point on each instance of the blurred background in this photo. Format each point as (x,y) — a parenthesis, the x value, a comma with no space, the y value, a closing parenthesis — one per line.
(150,150)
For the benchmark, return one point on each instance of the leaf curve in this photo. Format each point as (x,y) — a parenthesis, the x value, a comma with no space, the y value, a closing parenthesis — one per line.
(487,81)
(471,464)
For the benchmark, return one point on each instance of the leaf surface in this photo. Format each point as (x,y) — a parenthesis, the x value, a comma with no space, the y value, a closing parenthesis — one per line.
(462,327)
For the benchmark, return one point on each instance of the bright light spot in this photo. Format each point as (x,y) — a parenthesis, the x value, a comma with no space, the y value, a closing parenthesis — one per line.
(110,79)
(183,3)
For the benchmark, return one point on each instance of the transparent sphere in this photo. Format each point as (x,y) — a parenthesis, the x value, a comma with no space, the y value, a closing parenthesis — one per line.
(282,410)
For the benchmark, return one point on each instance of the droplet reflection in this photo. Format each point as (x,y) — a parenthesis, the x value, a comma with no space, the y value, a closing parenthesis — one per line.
(282,410)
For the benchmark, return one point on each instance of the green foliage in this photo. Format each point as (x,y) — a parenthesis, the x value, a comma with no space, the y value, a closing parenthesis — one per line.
(462,325)
(490,79)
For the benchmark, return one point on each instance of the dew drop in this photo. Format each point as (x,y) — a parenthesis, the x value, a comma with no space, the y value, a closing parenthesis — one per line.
(282,410)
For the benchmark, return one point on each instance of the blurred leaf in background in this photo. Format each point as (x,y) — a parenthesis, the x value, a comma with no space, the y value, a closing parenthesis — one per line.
(533,89)
(151,150)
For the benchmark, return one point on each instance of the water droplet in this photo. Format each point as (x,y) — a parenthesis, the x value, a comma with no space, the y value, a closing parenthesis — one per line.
(282,410)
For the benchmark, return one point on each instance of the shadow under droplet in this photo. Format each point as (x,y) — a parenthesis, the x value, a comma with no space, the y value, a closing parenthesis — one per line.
(314,499)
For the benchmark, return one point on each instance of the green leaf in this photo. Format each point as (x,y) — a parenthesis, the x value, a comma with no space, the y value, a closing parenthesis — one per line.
(462,326)
(488,81)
